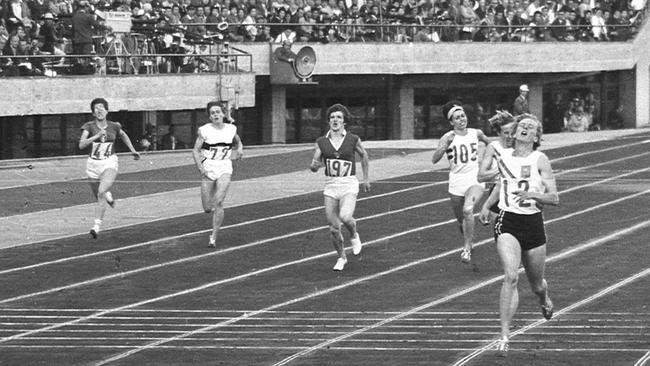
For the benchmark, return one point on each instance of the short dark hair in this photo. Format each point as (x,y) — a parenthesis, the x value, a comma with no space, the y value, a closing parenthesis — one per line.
(448,106)
(98,101)
(221,104)
(338,108)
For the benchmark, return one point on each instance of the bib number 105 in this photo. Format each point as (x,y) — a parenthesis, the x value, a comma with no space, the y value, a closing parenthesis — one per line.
(338,168)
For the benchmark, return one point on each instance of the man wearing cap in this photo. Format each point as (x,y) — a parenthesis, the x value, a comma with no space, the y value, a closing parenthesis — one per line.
(520,106)
(51,39)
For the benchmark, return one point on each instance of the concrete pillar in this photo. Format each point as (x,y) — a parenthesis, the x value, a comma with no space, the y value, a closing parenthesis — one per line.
(404,112)
(536,99)
(274,129)
(642,91)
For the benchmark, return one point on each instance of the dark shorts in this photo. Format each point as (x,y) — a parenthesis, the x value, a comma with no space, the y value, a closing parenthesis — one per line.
(527,229)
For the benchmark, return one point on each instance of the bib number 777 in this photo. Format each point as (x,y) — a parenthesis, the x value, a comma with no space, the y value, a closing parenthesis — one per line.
(338,168)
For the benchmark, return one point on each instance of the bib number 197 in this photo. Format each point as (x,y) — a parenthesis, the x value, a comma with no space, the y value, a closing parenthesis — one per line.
(338,168)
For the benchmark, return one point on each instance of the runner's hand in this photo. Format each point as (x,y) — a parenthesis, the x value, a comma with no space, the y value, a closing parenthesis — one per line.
(484,216)
(136,155)
(366,186)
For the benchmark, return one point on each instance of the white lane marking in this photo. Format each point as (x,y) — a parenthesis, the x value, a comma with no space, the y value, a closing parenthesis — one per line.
(376,275)
(290,348)
(643,360)
(561,255)
(599,294)
(215,253)
(175,237)
(218,311)
(253,313)
(269,240)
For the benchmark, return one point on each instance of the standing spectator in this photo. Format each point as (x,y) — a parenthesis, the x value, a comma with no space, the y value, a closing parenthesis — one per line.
(84,25)
(615,118)
(554,115)
(520,105)
(18,14)
(467,18)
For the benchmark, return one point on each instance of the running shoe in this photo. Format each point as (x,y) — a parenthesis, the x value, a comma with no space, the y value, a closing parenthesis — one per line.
(94,231)
(109,199)
(356,244)
(466,256)
(547,310)
(212,243)
(340,263)
(502,347)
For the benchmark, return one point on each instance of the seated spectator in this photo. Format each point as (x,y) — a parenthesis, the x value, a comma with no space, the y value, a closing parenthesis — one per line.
(598,26)
(14,66)
(577,120)
(559,30)
(250,26)
(584,30)
(169,141)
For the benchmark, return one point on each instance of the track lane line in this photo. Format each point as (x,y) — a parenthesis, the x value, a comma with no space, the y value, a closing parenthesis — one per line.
(643,361)
(364,279)
(599,294)
(276,238)
(186,235)
(561,255)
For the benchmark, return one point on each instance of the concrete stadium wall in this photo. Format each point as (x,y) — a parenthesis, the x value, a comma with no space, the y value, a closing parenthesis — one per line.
(64,95)
(444,58)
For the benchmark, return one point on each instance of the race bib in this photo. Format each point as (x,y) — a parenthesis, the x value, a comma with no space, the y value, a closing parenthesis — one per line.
(218,152)
(338,168)
(101,150)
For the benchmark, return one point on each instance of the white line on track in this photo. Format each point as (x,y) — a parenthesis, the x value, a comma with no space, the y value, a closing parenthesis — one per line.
(279,216)
(643,360)
(190,234)
(599,294)
(176,237)
(367,278)
(289,348)
(566,253)
(281,237)
(218,311)
(283,265)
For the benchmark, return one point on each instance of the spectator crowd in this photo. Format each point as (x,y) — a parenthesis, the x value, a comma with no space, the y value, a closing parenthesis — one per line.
(57,27)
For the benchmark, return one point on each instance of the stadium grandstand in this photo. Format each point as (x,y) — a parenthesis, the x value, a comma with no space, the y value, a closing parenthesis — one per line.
(393,63)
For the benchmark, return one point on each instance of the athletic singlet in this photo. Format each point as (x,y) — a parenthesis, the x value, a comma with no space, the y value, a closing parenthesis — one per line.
(498,152)
(462,153)
(339,162)
(104,147)
(217,143)
(519,173)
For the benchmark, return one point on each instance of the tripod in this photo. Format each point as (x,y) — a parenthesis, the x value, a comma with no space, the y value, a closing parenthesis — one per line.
(121,54)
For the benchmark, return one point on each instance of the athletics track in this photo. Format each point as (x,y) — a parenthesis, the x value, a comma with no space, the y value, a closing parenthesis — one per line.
(149,291)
